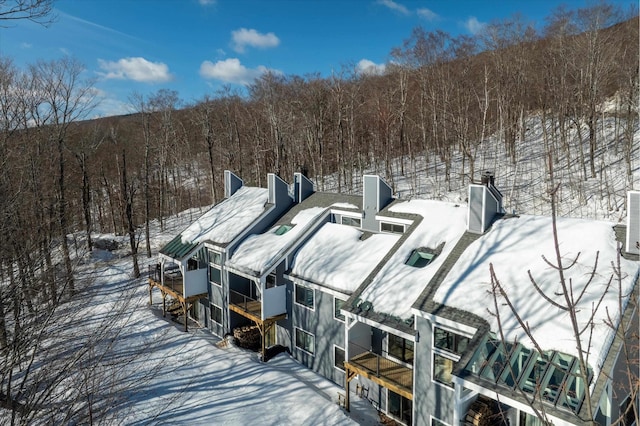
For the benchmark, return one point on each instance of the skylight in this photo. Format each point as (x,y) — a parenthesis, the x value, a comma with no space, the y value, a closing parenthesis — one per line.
(283,229)
(553,376)
(420,258)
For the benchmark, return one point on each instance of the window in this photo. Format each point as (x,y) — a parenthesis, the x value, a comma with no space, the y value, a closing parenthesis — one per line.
(271,281)
(449,341)
(305,341)
(214,275)
(442,369)
(627,412)
(338,358)
(216,314)
(400,407)
(283,229)
(400,348)
(214,257)
(391,227)
(420,258)
(337,305)
(351,221)
(304,296)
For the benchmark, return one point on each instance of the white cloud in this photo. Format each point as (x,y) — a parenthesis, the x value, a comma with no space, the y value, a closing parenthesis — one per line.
(25,45)
(206,2)
(250,37)
(136,69)
(394,6)
(231,71)
(473,25)
(427,14)
(368,67)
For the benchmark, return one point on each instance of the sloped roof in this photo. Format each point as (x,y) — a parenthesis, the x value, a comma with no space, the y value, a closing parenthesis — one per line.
(176,249)
(397,285)
(227,219)
(516,246)
(258,252)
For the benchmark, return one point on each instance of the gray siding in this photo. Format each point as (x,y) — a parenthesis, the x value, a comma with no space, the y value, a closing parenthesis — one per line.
(376,194)
(231,183)
(475,209)
(327,330)
(429,398)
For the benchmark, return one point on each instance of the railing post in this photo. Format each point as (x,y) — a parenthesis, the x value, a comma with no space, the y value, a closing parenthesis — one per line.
(377,365)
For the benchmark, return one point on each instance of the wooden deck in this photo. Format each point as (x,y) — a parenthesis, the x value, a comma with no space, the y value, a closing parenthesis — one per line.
(383,371)
(173,287)
(245,306)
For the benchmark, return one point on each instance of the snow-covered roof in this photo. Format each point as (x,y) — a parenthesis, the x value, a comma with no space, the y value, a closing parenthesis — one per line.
(515,246)
(259,251)
(393,290)
(227,219)
(337,257)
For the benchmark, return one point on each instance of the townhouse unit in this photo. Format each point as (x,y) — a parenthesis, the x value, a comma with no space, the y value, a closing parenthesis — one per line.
(441,313)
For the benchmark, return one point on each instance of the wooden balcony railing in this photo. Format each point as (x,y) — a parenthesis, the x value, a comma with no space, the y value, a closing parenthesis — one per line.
(384,371)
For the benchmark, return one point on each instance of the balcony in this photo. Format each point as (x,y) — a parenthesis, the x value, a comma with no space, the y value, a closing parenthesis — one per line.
(171,282)
(245,306)
(384,371)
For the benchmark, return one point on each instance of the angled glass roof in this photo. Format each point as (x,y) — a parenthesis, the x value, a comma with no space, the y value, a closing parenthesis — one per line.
(554,377)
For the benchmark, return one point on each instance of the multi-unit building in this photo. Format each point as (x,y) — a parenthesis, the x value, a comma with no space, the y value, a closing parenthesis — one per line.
(441,313)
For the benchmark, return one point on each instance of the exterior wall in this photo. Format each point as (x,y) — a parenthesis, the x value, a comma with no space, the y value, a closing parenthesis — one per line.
(327,330)
(429,397)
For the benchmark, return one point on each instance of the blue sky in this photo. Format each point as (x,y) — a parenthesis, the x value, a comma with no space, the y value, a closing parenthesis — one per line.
(197,46)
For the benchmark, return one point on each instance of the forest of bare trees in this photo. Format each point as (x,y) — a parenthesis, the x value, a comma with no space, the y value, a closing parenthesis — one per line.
(64,174)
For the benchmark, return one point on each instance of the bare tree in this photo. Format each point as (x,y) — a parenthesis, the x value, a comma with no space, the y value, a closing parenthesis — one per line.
(38,11)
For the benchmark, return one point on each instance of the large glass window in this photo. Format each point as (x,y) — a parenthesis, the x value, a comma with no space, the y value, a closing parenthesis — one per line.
(304,296)
(216,314)
(351,221)
(449,341)
(391,227)
(401,348)
(400,407)
(337,305)
(442,369)
(215,275)
(338,357)
(214,257)
(305,341)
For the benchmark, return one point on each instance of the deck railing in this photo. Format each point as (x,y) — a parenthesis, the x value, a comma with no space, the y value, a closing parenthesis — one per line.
(380,365)
(247,303)
(172,278)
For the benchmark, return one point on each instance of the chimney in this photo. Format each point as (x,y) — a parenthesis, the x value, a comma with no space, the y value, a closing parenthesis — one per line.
(231,183)
(633,222)
(487,178)
(376,194)
(485,202)
(278,190)
(302,187)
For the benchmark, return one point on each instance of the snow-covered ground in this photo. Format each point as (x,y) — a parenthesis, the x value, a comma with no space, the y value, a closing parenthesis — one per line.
(169,376)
